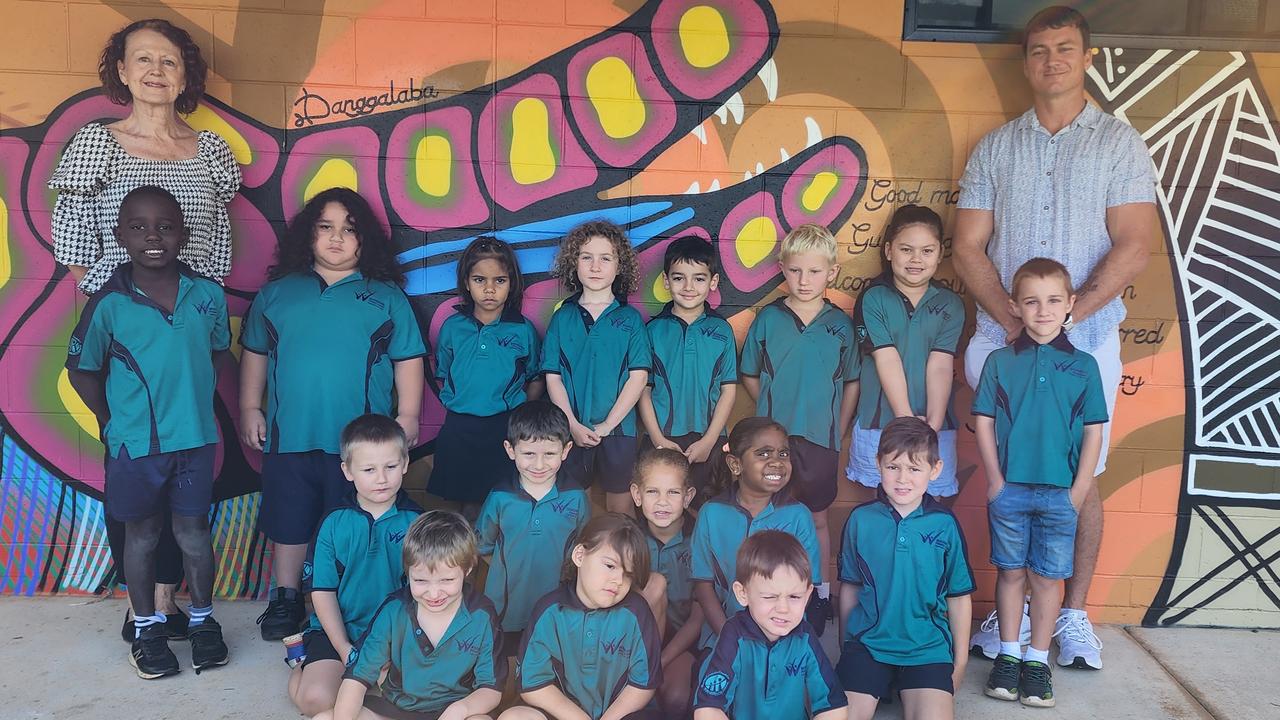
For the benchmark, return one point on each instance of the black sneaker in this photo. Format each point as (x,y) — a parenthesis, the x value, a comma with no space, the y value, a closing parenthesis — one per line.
(1036,686)
(175,626)
(1003,683)
(818,612)
(207,648)
(151,655)
(283,616)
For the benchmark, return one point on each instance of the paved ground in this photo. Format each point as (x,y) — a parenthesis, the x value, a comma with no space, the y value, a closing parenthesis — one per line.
(63,658)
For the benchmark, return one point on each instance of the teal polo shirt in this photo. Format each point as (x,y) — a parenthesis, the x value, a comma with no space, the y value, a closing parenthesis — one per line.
(883,317)
(590,654)
(907,567)
(330,350)
(594,358)
(359,558)
(673,560)
(795,361)
(723,524)
(691,363)
(424,677)
(747,677)
(483,369)
(160,376)
(1041,397)
(527,541)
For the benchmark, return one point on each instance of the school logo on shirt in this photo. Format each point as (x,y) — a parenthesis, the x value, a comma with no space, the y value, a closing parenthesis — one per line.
(512,342)
(715,684)
(940,310)
(795,667)
(566,508)
(683,559)
(395,537)
(205,308)
(366,296)
(711,332)
(470,646)
(836,330)
(75,346)
(615,647)
(1069,367)
(935,539)
(622,323)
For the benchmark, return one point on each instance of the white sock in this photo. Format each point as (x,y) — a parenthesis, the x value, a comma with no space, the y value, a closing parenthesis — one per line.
(1034,655)
(824,590)
(1012,649)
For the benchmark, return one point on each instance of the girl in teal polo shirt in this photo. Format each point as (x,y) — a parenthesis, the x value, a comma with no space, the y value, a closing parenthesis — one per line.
(486,365)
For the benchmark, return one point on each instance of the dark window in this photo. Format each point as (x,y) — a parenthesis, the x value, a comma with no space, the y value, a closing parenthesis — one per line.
(1205,24)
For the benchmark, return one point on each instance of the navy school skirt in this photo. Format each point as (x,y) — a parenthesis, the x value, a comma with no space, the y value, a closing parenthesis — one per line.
(469,457)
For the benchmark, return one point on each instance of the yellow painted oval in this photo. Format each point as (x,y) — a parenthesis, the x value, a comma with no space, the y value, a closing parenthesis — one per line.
(6,261)
(333,173)
(703,36)
(205,119)
(818,190)
(611,86)
(433,162)
(660,292)
(533,160)
(75,406)
(755,241)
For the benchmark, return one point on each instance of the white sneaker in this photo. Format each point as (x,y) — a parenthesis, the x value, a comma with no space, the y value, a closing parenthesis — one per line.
(987,640)
(1078,646)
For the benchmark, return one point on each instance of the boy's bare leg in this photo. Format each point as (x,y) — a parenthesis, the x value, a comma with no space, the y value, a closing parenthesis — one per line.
(861,706)
(1009,598)
(522,712)
(286,564)
(824,541)
(928,704)
(655,594)
(1046,600)
(620,503)
(165,598)
(314,688)
(1088,545)
(673,696)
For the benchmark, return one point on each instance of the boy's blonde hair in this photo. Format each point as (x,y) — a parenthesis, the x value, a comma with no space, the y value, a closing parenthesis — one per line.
(440,537)
(1040,268)
(809,238)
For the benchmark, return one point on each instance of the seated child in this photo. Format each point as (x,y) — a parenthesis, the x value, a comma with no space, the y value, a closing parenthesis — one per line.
(1039,410)
(142,359)
(662,492)
(691,390)
(592,648)
(528,521)
(768,663)
(355,559)
(757,468)
(438,638)
(904,585)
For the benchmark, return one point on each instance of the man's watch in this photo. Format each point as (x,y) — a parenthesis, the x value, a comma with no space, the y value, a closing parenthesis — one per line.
(1068,323)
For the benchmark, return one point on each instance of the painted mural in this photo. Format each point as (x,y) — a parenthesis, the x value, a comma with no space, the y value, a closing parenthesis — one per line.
(735,120)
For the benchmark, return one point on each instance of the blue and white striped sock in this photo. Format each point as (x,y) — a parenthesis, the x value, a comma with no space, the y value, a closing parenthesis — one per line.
(198,614)
(142,622)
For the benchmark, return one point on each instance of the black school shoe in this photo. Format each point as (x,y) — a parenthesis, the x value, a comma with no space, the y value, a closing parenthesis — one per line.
(151,656)
(1005,680)
(207,648)
(1036,685)
(818,612)
(175,626)
(283,616)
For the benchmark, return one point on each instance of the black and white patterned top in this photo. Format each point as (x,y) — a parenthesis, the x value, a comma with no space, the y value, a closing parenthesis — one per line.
(94,175)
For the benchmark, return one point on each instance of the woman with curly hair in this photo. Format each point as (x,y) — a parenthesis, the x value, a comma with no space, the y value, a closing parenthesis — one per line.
(597,358)
(330,338)
(156,70)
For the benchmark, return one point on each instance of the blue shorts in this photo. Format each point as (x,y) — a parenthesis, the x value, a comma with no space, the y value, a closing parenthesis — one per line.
(813,473)
(608,464)
(859,672)
(863,470)
(142,487)
(297,490)
(1033,526)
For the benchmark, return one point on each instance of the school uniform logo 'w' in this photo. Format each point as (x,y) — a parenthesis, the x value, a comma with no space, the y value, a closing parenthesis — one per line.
(621,323)
(934,538)
(367,296)
(795,667)
(205,308)
(511,341)
(615,647)
(940,310)
(1068,367)
(395,537)
(836,330)
(470,646)
(566,508)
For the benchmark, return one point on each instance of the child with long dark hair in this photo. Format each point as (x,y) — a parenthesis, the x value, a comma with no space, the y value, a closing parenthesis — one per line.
(330,337)
(486,364)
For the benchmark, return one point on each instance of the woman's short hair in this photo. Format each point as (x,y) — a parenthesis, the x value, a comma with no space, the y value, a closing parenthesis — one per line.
(194,67)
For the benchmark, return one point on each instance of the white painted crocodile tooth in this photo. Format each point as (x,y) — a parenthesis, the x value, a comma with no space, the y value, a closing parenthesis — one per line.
(785,155)
(746,175)
(694,189)
(714,186)
(759,168)
(701,132)
(769,77)
(735,107)
(812,133)
(722,112)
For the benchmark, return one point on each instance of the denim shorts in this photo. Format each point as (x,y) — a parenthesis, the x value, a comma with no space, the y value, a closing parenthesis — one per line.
(1033,526)
(862,467)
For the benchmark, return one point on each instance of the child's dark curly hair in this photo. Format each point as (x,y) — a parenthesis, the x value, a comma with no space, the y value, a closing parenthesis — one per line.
(377,259)
(565,267)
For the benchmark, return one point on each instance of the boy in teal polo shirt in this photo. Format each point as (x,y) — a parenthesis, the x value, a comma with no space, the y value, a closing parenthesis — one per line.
(695,362)
(908,327)
(768,663)
(597,358)
(796,346)
(437,638)
(904,585)
(527,523)
(356,557)
(142,359)
(1039,410)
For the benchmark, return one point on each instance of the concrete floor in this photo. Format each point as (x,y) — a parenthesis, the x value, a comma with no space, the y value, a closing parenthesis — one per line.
(63,658)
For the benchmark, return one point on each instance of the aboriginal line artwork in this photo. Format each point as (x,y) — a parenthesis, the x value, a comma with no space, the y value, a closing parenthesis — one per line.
(1218,164)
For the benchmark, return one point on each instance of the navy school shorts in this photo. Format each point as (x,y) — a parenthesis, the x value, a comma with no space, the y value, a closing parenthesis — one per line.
(813,473)
(859,672)
(608,464)
(181,480)
(317,645)
(297,490)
